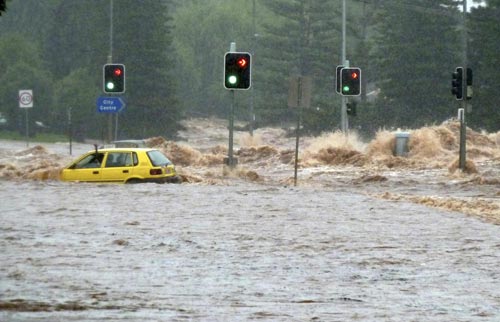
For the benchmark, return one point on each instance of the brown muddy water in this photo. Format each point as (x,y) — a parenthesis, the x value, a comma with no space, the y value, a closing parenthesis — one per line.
(365,236)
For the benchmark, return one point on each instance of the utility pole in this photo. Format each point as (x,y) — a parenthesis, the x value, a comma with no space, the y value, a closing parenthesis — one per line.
(230,155)
(463,124)
(110,61)
(343,119)
(252,94)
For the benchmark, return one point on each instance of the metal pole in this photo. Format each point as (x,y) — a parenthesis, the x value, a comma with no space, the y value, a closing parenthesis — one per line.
(230,158)
(70,132)
(463,125)
(110,31)
(110,60)
(231,127)
(116,125)
(252,96)
(462,152)
(299,116)
(343,111)
(27,129)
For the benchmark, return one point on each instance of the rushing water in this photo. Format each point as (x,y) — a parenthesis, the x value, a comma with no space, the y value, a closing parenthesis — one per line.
(238,252)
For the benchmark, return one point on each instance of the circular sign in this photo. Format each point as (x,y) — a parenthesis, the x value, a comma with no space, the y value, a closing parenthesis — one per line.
(26,98)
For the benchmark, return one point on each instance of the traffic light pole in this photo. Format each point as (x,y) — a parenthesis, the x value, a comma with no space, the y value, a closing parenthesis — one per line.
(230,157)
(110,61)
(299,120)
(343,111)
(463,125)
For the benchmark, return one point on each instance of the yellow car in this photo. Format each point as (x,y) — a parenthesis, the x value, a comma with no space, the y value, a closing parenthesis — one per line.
(121,165)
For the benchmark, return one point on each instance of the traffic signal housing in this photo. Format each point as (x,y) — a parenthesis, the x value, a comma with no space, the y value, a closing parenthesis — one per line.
(350,81)
(237,70)
(457,83)
(114,78)
(337,78)
(469,83)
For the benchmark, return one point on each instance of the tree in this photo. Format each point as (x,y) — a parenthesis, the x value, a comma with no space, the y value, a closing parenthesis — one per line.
(22,69)
(78,37)
(71,96)
(203,33)
(143,42)
(484,35)
(414,53)
(141,39)
(302,39)
(28,18)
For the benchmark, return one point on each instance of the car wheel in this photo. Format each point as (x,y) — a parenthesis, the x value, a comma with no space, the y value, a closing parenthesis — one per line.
(132,181)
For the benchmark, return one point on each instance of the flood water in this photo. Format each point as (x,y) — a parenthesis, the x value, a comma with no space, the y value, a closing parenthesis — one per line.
(364,236)
(82,252)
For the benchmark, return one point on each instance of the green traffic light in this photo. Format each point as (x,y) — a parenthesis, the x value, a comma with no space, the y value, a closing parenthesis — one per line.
(346,89)
(232,79)
(110,85)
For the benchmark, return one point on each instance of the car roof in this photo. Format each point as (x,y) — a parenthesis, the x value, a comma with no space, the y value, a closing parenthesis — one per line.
(123,150)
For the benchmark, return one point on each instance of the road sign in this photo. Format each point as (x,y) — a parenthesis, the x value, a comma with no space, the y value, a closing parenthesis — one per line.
(25,98)
(109,104)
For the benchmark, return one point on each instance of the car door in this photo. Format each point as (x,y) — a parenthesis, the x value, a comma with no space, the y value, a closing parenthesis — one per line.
(118,166)
(86,169)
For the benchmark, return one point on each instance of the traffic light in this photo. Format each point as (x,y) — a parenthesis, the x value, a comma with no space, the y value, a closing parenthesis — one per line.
(457,83)
(469,83)
(337,79)
(114,78)
(350,81)
(237,71)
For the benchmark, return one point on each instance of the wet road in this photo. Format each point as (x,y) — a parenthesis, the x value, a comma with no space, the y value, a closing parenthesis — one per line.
(242,252)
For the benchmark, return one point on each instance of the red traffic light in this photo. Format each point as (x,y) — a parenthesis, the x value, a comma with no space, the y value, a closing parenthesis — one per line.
(354,75)
(242,62)
(117,72)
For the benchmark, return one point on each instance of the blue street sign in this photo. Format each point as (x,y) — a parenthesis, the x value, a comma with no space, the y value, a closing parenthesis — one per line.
(109,104)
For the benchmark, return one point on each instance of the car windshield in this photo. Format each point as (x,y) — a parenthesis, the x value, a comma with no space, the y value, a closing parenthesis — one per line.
(158,159)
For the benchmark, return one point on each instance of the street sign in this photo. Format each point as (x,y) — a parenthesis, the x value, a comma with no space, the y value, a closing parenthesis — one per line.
(109,104)
(25,98)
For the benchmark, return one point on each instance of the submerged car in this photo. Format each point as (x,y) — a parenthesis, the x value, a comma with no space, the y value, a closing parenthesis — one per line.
(121,165)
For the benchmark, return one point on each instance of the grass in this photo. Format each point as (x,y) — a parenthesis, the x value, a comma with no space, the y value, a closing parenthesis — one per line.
(39,137)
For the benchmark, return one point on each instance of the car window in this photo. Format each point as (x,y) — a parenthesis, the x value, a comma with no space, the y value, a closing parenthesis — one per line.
(93,160)
(119,159)
(158,159)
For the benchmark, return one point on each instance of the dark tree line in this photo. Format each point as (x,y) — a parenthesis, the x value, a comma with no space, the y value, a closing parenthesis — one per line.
(62,62)
(173,51)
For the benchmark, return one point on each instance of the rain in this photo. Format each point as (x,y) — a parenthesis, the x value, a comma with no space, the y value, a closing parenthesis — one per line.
(383,205)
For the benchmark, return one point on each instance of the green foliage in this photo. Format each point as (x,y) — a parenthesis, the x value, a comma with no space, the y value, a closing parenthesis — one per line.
(299,40)
(143,43)
(484,31)
(72,95)
(173,51)
(39,137)
(203,33)
(78,37)
(415,52)
(22,69)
